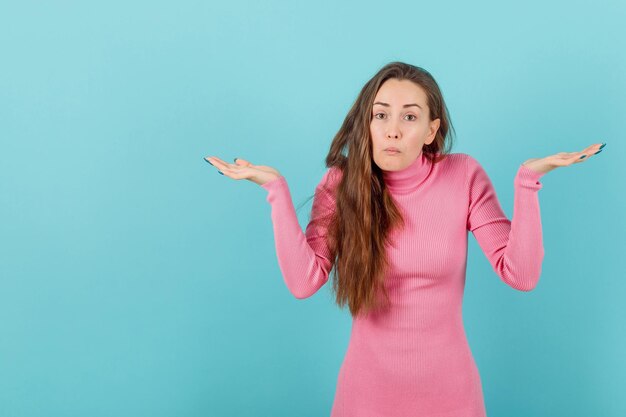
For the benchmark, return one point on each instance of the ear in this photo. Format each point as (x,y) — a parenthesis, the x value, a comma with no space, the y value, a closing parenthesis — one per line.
(434,127)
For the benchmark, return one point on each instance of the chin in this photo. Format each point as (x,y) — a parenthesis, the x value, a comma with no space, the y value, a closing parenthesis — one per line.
(388,165)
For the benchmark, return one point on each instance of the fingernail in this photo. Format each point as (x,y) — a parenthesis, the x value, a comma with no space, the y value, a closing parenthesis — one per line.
(598,151)
(235,160)
(582,157)
(603,145)
(208,161)
(221,172)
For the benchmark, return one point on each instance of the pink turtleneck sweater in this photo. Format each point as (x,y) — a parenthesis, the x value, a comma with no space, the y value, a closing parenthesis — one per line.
(414,359)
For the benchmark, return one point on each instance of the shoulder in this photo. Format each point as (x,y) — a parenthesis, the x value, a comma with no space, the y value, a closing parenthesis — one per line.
(455,158)
(331,178)
(470,163)
(467,167)
(462,158)
(456,162)
(333,174)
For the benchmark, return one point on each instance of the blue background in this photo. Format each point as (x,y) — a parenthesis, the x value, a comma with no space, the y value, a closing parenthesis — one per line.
(136,281)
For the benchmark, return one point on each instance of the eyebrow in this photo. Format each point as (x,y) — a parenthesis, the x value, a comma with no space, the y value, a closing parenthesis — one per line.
(406,105)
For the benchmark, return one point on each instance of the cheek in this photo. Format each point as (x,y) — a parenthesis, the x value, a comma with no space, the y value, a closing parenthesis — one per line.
(376,131)
(374,134)
(377,139)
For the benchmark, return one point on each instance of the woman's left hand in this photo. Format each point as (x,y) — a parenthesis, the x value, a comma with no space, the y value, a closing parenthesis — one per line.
(562,159)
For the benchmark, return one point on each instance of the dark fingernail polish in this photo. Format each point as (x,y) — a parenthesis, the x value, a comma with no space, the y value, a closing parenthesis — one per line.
(603,145)
(208,161)
(598,152)
(221,172)
(582,157)
(235,160)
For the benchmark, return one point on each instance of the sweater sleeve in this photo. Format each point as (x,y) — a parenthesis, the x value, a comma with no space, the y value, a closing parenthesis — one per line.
(303,257)
(513,247)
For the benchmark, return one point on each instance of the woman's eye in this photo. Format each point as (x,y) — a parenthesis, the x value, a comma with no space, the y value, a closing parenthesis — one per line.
(409,115)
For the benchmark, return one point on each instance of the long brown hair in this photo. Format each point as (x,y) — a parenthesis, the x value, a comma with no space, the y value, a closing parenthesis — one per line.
(365,213)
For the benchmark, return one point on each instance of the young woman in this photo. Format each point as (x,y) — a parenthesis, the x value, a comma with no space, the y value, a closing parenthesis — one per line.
(391,217)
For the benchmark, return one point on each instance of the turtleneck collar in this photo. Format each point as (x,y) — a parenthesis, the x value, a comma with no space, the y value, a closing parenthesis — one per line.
(409,178)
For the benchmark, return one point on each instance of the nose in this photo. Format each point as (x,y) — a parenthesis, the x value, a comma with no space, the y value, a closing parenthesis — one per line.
(392,134)
(392,130)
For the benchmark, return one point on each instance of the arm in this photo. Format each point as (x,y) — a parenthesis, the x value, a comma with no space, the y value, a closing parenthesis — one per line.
(514,248)
(303,258)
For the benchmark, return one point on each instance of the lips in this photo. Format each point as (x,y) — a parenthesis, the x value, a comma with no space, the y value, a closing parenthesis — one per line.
(392,149)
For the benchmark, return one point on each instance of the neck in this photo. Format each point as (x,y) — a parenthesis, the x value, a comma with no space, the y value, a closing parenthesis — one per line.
(409,178)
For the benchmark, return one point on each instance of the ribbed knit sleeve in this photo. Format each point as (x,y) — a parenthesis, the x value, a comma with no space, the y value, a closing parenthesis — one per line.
(303,257)
(513,247)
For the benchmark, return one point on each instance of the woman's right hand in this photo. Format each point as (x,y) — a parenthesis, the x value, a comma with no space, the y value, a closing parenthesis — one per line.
(244,170)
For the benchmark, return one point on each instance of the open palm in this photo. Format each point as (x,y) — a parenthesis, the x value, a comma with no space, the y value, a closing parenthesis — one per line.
(562,159)
(244,170)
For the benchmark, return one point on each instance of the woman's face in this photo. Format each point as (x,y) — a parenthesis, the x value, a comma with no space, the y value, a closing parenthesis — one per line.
(400,119)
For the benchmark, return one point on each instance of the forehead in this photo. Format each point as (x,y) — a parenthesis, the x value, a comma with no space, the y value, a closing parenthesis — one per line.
(398,93)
